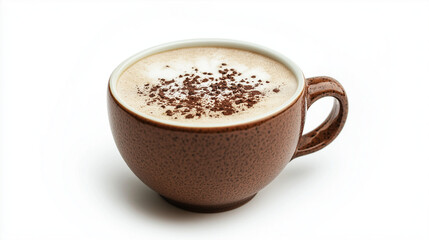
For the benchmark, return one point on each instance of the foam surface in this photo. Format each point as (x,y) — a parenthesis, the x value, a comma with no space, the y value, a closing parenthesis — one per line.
(275,83)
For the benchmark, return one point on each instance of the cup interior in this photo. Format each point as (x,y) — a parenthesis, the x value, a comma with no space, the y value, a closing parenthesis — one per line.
(209,43)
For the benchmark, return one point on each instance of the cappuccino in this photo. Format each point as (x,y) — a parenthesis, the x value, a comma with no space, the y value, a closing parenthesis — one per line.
(206,85)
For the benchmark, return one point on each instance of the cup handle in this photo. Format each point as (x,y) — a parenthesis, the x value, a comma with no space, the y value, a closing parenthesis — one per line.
(325,133)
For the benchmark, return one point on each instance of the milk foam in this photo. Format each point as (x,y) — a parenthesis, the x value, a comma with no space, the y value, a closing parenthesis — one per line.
(261,73)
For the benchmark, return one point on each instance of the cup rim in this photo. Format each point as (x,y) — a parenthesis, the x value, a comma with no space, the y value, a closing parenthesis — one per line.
(208,42)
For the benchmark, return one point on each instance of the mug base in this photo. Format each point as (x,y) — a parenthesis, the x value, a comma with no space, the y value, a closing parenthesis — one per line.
(209,208)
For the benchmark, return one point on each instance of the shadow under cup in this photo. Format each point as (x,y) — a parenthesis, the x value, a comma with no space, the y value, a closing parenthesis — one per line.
(221,167)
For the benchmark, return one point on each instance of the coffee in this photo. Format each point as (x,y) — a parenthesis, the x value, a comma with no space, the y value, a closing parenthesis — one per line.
(206,85)
(204,126)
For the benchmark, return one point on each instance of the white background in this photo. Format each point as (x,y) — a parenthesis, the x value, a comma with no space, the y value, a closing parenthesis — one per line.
(61,176)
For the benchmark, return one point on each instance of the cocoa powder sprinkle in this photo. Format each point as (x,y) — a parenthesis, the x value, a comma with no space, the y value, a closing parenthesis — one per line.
(188,95)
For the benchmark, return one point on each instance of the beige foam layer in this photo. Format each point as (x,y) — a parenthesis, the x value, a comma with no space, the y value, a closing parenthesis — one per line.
(207,59)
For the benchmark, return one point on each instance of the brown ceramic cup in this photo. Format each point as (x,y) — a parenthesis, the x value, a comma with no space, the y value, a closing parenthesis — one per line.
(221,167)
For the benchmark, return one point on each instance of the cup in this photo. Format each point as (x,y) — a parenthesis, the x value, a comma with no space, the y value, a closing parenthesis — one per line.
(221,167)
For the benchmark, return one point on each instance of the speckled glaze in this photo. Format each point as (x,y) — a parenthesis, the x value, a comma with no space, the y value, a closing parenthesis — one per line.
(221,168)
